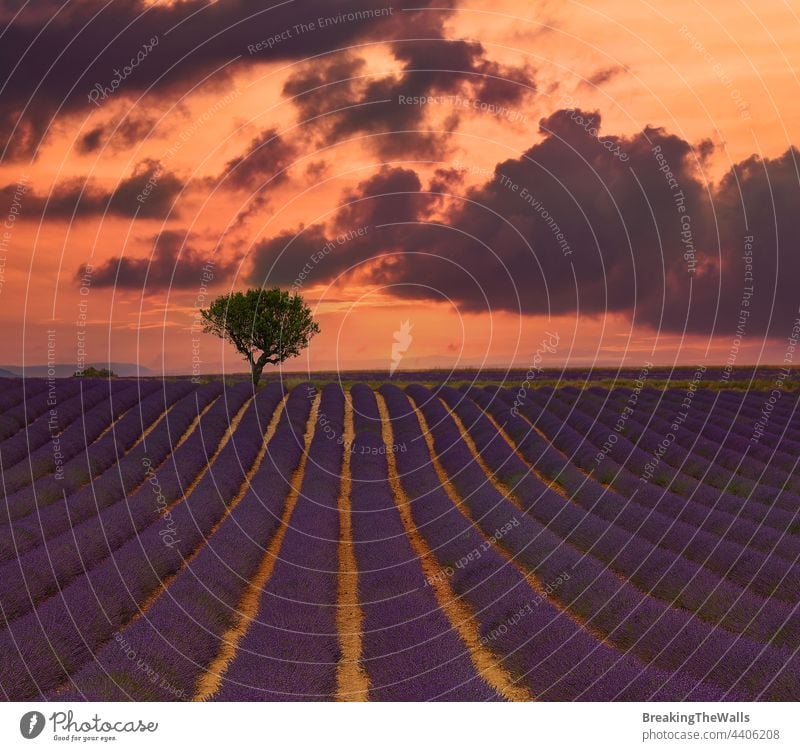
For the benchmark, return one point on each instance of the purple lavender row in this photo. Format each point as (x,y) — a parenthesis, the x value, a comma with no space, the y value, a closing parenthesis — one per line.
(24,401)
(749,404)
(124,433)
(723,469)
(616,531)
(722,439)
(291,649)
(777,513)
(765,573)
(366,418)
(588,451)
(37,407)
(410,650)
(93,460)
(705,509)
(734,434)
(540,645)
(761,504)
(39,650)
(15,390)
(59,419)
(119,480)
(739,404)
(130,429)
(42,571)
(708,450)
(85,417)
(181,632)
(671,638)
(713,492)
(728,407)
(779,433)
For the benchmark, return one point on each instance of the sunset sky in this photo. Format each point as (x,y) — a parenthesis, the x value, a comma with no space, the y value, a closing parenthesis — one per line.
(622,174)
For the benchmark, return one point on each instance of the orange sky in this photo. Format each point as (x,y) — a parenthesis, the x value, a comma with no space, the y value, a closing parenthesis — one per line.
(724,71)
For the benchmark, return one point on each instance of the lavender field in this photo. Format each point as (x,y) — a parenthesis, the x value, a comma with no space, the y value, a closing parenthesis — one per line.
(480,541)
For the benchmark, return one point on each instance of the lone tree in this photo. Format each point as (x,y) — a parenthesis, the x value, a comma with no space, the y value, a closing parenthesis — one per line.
(266,325)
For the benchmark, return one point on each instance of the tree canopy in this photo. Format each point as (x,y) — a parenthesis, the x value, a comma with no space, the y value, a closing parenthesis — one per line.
(267,326)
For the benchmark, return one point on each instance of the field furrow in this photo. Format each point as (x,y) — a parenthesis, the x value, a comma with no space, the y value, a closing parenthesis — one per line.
(212,542)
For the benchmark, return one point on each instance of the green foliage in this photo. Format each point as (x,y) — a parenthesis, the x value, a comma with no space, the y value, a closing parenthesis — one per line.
(267,326)
(92,372)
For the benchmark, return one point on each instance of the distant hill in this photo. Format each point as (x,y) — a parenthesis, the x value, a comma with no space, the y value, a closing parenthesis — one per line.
(65,370)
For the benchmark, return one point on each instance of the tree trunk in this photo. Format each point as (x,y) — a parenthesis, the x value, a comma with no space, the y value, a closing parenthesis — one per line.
(256,372)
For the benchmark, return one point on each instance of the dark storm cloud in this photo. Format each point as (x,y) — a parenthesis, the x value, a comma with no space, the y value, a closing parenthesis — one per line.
(267,158)
(172,264)
(398,105)
(582,221)
(116,135)
(366,225)
(755,288)
(148,193)
(56,59)
(604,75)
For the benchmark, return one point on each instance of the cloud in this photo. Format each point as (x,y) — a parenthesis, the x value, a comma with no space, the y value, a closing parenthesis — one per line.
(266,159)
(752,289)
(361,229)
(604,75)
(172,264)
(148,193)
(116,135)
(396,105)
(55,59)
(582,222)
